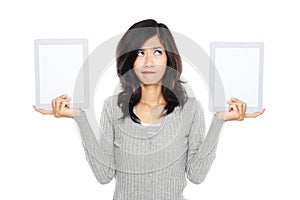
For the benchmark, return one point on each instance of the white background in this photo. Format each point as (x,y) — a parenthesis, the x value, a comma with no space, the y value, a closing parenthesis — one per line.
(42,157)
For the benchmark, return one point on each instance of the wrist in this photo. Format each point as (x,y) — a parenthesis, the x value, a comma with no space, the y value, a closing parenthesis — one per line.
(220,116)
(77,112)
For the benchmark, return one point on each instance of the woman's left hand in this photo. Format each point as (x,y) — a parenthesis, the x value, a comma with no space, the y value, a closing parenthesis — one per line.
(237,111)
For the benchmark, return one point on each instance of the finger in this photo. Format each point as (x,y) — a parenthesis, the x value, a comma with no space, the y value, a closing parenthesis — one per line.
(229,102)
(240,113)
(56,103)
(57,107)
(239,107)
(230,105)
(67,103)
(62,105)
(68,99)
(234,108)
(62,96)
(231,108)
(234,112)
(255,114)
(236,100)
(233,99)
(244,106)
(43,111)
(242,110)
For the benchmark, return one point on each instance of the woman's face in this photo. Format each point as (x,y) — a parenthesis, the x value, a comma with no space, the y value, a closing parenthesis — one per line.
(151,62)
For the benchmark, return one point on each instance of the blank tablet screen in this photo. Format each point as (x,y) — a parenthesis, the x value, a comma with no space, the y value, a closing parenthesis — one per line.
(59,67)
(240,67)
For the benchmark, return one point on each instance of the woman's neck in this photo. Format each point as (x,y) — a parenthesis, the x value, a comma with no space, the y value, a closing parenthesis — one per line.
(152,95)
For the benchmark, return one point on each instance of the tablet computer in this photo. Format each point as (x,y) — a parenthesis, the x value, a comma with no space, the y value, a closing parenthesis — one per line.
(60,66)
(239,67)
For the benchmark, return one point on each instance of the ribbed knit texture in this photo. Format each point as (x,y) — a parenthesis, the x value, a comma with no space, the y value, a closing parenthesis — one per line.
(155,165)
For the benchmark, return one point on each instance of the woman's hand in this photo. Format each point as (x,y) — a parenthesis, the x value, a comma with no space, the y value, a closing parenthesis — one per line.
(60,108)
(237,111)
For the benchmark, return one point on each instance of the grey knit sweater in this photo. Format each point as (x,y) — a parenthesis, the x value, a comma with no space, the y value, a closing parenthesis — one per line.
(150,162)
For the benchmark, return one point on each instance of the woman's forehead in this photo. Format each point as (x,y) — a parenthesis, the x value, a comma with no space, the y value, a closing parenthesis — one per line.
(153,42)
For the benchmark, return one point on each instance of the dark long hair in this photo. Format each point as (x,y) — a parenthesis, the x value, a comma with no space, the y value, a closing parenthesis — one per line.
(127,50)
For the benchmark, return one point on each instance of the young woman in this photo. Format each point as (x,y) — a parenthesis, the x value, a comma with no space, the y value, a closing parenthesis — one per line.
(152,134)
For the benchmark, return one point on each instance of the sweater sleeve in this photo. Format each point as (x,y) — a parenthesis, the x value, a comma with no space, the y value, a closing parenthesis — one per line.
(99,153)
(201,148)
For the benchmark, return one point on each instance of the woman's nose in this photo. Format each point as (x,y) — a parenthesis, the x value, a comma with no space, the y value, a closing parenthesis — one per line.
(148,60)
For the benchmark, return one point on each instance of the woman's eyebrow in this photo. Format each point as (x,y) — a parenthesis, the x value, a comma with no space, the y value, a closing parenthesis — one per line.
(143,49)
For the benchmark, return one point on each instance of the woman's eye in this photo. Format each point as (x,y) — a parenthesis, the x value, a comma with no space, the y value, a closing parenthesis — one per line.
(157,52)
(141,53)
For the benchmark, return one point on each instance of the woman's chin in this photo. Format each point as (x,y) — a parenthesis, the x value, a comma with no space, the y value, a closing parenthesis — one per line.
(151,83)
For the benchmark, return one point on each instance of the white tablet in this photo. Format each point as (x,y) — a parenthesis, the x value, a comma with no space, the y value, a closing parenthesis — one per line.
(239,66)
(60,66)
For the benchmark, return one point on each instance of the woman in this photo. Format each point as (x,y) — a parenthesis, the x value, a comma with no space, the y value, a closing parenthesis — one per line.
(152,133)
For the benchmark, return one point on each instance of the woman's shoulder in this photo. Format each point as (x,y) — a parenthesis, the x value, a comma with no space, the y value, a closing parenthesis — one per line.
(111,100)
(111,103)
(192,102)
(192,106)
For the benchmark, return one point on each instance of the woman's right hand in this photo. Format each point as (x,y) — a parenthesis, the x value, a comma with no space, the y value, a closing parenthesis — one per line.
(60,108)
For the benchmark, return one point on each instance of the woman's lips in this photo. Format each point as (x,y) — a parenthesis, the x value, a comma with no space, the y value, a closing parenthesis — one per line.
(148,72)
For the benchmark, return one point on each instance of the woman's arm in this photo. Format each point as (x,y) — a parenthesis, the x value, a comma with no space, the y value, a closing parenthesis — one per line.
(202,149)
(99,154)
